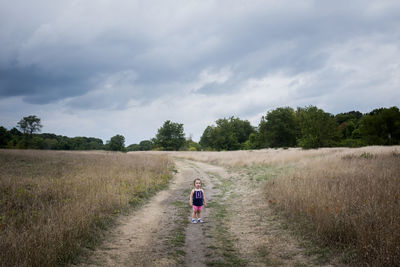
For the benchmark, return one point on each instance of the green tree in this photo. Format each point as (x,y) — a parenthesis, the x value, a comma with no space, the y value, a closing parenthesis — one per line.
(36,142)
(78,143)
(348,124)
(15,132)
(228,134)
(94,143)
(50,143)
(170,136)
(5,137)
(226,138)
(278,128)
(30,124)
(191,145)
(381,127)
(16,137)
(133,147)
(242,129)
(353,116)
(207,139)
(146,145)
(317,128)
(253,142)
(116,143)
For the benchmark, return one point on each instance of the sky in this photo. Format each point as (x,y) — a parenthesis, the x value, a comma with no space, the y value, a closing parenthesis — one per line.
(98,68)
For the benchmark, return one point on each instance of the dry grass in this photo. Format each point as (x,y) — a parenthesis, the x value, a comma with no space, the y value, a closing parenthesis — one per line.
(51,203)
(256,157)
(350,198)
(347,197)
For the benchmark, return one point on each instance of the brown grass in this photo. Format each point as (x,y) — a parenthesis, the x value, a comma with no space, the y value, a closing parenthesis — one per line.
(256,157)
(350,198)
(346,197)
(52,203)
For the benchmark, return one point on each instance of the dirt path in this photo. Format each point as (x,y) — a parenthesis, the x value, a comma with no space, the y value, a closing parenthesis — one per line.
(195,243)
(159,233)
(238,228)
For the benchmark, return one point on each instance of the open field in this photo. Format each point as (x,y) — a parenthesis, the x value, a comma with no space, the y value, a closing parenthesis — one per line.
(346,202)
(347,198)
(52,203)
(244,158)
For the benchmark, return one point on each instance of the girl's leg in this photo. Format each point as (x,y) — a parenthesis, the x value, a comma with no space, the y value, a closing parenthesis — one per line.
(198,214)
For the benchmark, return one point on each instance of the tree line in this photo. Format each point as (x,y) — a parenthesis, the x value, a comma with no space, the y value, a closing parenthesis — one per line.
(305,127)
(26,135)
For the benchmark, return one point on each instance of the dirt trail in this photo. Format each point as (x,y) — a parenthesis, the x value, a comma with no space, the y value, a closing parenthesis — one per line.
(195,243)
(150,235)
(238,229)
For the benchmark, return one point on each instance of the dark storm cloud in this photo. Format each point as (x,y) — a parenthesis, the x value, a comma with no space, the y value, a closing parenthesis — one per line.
(38,86)
(264,38)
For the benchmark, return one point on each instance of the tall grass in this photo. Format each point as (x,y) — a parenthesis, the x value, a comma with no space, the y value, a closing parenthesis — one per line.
(350,199)
(52,203)
(256,157)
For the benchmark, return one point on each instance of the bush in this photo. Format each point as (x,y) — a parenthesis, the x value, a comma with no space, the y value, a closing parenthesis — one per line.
(351,143)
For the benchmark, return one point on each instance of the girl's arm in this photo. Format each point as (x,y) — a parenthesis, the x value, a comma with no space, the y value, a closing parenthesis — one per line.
(204,197)
(191,198)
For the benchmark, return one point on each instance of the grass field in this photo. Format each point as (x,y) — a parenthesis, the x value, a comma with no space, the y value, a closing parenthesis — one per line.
(256,157)
(348,198)
(53,203)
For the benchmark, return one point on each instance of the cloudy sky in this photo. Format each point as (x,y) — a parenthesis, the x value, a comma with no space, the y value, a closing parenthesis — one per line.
(104,67)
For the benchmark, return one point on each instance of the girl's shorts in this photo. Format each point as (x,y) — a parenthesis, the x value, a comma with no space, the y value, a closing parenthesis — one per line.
(197,208)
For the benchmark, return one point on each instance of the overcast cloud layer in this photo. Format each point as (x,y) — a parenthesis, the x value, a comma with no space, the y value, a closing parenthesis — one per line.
(105,67)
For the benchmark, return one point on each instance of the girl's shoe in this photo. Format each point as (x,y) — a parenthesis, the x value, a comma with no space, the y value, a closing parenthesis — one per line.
(194,221)
(200,220)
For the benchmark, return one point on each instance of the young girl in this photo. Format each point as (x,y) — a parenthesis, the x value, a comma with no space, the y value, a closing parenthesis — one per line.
(197,200)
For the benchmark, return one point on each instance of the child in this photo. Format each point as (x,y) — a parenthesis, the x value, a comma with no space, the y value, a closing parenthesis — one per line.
(197,200)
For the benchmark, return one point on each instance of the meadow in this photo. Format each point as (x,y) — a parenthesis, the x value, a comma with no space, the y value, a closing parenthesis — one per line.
(343,198)
(53,203)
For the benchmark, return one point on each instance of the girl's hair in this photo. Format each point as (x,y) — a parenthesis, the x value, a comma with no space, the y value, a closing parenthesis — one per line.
(197,179)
